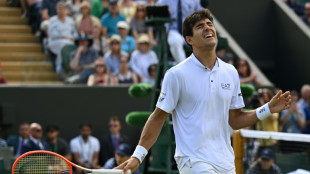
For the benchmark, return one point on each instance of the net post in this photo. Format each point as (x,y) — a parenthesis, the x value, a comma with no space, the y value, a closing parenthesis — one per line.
(238,146)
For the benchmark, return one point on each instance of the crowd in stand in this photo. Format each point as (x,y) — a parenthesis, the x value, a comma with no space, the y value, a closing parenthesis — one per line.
(106,151)
(301,8)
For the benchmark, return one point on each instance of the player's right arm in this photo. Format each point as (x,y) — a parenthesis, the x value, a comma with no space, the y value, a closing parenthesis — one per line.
(148,137)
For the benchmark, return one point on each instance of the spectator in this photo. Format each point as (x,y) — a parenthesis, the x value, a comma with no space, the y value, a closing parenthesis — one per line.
(179,9)
(99,8)
(48,9)
(23,4)
(306,16)
(269,124)
(292,120)
(112,57)
(2,79)
(265,164)
(122,153)
(34,15)
(82,60)
(17,142)
(35,140)
(307,115)
(101,77)
(85,148)
(128,42)
(57,144)
(61,31)
(110,19)
(221,51)
(127,9)
(86,22)
(74,7)
(111,141)
(137,24)
(143,57)
(245,73)
(100,43)
(304,100)
(298,9)
(125,75)
(152,74)
(2,141)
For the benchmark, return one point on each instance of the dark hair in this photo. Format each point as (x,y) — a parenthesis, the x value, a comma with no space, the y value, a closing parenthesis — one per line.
(249,70)
(192,19)
(52,127)
(114,118)
(85,124)
(150,68)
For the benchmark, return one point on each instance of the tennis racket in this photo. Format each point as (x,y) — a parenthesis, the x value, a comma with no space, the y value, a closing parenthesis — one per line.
(46,162)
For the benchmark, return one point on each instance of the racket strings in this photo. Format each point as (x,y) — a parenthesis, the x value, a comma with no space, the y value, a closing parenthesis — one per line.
(41,163)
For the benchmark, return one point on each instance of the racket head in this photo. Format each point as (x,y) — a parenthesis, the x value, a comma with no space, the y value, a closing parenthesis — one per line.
(41,161)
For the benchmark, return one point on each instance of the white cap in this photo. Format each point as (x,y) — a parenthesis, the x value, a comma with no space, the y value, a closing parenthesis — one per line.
(122,24)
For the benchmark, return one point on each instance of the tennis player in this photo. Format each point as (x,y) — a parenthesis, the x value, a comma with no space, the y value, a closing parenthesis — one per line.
(203,95)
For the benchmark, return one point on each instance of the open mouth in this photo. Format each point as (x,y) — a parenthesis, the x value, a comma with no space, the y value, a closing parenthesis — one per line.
(208,36)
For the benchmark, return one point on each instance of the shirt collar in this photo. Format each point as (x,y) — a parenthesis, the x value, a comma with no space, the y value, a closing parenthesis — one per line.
(195,60)
(34,140)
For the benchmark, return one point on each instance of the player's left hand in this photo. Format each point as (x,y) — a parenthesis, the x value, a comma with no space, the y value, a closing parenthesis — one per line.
(280,102)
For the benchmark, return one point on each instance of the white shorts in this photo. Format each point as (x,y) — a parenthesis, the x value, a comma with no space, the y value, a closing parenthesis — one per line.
(200,167)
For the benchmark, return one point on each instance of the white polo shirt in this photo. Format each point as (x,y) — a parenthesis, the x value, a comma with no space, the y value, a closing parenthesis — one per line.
(199,100)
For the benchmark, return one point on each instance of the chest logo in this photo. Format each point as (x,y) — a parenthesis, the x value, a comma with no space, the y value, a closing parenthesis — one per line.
(225,86)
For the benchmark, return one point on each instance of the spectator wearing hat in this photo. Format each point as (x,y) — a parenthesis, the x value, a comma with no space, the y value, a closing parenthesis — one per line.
(265,164)
(101,76)
(86,22)
(112,57)
(143,57)
(128,42)
(122,154)
(61,32)
(99,8)
(110,19)
(57,144)
(82,60)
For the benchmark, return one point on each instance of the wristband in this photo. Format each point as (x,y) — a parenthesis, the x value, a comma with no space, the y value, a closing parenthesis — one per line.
(263,112)
(140,153)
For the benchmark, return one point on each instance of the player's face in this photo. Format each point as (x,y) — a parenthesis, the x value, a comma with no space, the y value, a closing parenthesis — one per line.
(204,35)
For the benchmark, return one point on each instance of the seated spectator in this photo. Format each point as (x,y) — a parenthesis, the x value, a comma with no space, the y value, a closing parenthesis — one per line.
(245,73)
(2,141)
(34,15)
(268,124)
(86,22)
(110,142)
(152,74)
(307,115)
(128,42)
(48,9)
(100,43)
(265,164)
(57,144)
(143,57)
(17,142)
(304,99)
(99,8)
(127,9)
(2,79)
(82,60)
(101,76)
(74,7)
(85,148)
(35,140)
(137,24)
(112,57)
(298,8)
(122,154)
(61,32)
(292,120)
(221,51)
(306,16)
(110,19)
(125,75)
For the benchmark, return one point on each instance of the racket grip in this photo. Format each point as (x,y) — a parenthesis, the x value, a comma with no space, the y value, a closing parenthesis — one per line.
(109,171)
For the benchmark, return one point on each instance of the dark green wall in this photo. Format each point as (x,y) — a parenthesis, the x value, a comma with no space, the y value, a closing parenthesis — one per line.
(273,41)
(68,107)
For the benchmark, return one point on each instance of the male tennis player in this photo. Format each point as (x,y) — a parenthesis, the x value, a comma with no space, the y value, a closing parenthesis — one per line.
(203,95)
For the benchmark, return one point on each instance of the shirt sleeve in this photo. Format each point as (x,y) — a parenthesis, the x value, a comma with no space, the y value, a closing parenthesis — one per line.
(96,145)
(237,99)
(169,94)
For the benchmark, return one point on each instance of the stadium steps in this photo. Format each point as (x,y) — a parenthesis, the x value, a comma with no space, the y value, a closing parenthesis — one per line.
(22,60)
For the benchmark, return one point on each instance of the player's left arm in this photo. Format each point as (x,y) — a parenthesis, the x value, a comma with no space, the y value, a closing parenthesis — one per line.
(239,119)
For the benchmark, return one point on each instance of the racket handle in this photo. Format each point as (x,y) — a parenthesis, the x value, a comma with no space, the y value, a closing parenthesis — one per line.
(109,171)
